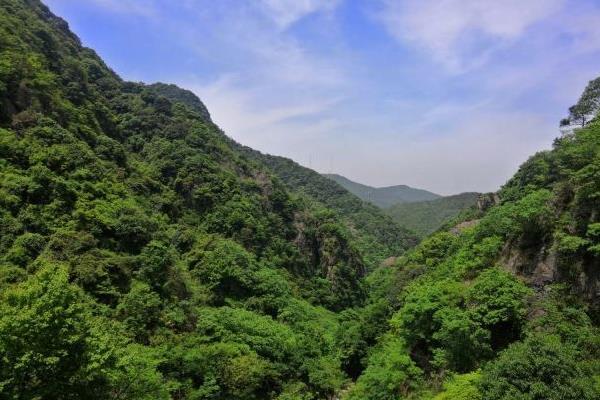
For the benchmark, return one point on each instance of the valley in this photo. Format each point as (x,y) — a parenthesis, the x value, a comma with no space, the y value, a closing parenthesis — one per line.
(144,254)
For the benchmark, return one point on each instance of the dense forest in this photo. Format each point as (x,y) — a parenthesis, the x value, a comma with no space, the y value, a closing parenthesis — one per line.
(420,211)
(145,255)
(377,235)
(425,217)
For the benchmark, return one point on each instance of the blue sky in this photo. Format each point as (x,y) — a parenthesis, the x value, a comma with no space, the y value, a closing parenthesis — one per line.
(446,95)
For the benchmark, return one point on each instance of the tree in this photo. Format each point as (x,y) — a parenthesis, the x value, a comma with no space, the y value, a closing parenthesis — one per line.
(587,107)
(140,311)
(461,387)
(53,347)
(45,350)
(390,375)
(541,367)
(496,300)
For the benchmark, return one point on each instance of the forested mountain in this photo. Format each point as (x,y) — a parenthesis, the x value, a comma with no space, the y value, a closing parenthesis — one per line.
(385,196)
(505,304)
(145,255)
(142,255)
(377,235)
(418,210)
(425,217)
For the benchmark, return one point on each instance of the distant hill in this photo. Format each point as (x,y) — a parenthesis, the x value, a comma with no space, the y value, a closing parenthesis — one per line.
(425,217)
(376,234)
(386,196)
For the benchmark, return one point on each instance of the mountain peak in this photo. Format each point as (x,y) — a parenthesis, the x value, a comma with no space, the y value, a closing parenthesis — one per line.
(177,94)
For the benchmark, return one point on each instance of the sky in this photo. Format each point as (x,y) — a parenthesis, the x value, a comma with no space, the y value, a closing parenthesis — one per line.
(444,95)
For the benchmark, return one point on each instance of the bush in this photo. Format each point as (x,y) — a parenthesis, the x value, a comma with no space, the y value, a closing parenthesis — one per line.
(541,367)
(391,373)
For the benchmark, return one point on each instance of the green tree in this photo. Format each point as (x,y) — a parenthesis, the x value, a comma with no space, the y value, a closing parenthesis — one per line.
(541,367)
(45,348)
(391,373)
(497,301)
(461,387)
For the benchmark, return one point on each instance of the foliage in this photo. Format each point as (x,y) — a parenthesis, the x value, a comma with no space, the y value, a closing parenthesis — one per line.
(461,387)
(460,300)
(391,373)
(145,255)
(53,346)
(586,107)
(542,367)
(376,235)
(425,217)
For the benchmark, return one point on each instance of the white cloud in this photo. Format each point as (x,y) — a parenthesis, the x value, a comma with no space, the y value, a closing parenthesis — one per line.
(285,60)
(461,34)
(286,12)
(241,109)
(584,30)
(145,8)
(273,89)
(335,104)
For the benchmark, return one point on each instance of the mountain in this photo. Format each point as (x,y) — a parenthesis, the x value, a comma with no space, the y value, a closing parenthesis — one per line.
(511,289)
(376,234)
(385,196)
(146,255)
(425,217)
(143,255)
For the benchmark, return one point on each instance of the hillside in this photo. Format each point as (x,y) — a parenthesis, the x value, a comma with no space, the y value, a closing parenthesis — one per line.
(376,234)
(425,217)
(145,255)
(142,255)
(385,196)
(504,305)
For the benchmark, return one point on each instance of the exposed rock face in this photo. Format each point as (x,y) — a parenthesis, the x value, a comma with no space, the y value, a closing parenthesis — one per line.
(389,262)
(541,265)
(487,200)
(463,225)
(537,266)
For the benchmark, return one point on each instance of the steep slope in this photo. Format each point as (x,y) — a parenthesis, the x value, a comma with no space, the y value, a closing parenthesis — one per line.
(504,305)
(425,217)
(179,95)
(385,196)
(142,255)
(375,234)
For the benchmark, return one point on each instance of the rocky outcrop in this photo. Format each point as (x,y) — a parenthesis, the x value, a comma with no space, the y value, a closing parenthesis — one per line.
(487,200)
(542,265)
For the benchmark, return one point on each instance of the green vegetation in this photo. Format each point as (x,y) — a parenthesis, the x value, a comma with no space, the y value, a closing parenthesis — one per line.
(144,255)
(586,107)
(376,235)
(385,196)
(476,331)
(425,217)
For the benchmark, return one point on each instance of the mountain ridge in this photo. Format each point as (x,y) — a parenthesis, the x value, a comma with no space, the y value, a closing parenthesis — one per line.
(146,255)
(425,217)
(142,255)
(379,236)
(383,197)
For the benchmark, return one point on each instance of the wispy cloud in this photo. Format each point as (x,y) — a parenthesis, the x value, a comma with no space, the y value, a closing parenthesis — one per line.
(386,103)
(461,34)
(145,8)
(286,12)
(241,111)
(272,88)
